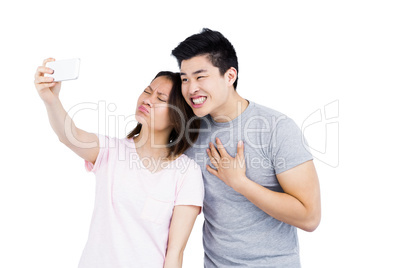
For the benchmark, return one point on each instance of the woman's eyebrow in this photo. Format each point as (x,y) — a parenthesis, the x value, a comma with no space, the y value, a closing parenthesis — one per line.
(159,93)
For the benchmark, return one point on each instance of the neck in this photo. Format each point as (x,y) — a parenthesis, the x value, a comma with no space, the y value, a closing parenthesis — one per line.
(233,107)
(152,143)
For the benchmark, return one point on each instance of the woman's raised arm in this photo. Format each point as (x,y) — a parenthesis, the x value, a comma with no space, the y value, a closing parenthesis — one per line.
(84,144)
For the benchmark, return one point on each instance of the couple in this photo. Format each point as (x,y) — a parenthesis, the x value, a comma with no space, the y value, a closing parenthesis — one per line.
(260,181)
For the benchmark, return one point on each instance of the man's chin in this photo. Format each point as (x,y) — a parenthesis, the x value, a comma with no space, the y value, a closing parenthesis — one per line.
(199,113)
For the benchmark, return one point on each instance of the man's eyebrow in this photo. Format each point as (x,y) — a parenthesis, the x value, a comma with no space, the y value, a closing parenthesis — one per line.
(159,93)
(196,72)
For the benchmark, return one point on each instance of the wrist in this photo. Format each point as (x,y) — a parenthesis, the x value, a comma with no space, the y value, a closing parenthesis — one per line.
(173,261)
(240,183)
(50,102)
(174,255)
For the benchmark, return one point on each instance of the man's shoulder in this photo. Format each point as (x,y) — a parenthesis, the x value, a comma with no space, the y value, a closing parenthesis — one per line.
(267,114)
(257,108)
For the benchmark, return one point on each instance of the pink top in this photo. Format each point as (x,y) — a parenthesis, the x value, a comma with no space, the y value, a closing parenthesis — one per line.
(133,207)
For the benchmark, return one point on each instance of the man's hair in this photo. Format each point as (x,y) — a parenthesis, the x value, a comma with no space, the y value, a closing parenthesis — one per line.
(219,50)
(181,116)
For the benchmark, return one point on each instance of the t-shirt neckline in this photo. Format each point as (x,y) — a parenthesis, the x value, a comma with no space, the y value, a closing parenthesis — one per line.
(147,170)
(236,120)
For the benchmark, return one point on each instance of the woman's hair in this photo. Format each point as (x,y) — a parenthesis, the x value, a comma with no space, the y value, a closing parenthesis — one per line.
(185,123)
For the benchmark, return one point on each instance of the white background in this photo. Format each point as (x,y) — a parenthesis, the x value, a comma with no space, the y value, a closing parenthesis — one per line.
(294,56)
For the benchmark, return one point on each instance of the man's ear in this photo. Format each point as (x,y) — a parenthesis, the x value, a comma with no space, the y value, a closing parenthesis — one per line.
(231,76)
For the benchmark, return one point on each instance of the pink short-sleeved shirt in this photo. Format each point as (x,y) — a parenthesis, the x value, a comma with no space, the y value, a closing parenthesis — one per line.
(133,206)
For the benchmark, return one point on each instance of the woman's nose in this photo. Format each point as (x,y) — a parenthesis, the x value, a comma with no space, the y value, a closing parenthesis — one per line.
(148,101)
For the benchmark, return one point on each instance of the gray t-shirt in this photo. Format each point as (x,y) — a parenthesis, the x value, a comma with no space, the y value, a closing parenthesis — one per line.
(236,233)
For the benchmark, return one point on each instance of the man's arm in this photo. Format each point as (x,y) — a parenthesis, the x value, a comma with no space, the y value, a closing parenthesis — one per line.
(299,205)
(182,222)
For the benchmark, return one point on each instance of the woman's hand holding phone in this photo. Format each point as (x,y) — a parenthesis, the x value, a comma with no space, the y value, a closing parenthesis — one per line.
(47,89)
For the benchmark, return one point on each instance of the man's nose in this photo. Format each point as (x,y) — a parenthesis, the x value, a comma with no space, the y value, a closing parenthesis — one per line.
(193,88)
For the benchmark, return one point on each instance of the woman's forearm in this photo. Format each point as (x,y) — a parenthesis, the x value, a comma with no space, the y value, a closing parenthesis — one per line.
(182,222)
(174,259)
(61,122)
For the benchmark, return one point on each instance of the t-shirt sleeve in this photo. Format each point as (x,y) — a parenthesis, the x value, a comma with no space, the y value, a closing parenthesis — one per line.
(102,157)
(191,187)
(288,146)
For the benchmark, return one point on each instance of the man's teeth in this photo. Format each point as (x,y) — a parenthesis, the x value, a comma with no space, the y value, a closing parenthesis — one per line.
(199,100)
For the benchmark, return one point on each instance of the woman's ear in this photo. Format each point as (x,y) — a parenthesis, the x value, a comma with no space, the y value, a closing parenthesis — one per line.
(231,76)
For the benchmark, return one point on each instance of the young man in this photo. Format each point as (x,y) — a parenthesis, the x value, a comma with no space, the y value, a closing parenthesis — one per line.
(260,181)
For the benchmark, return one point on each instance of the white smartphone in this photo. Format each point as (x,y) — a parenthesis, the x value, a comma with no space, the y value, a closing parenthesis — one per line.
(64,69)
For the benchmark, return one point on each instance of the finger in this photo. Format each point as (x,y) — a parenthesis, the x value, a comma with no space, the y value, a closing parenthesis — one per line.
(240,149)
(39,87)
(41,70)
(240,153)
(214,152)
(47,60)
(38,83)
(212,159)
(42,79)
(221,148)
(46,69)
(212,171)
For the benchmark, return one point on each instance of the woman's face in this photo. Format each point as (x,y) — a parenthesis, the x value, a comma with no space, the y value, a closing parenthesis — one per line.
(152,105)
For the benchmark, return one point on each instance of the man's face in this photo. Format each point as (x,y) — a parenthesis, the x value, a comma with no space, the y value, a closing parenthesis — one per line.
(203,87)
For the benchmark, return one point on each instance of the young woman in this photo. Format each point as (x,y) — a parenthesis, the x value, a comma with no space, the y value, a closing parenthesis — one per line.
(148,193)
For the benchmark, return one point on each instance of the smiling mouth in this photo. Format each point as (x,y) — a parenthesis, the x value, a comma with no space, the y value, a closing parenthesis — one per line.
(198,100)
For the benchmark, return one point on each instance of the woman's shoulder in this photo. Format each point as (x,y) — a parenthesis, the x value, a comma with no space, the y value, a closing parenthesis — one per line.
(111,143)
(185,164)
(185,159)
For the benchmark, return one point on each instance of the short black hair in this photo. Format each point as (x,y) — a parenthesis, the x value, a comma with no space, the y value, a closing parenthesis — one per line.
(219,50)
